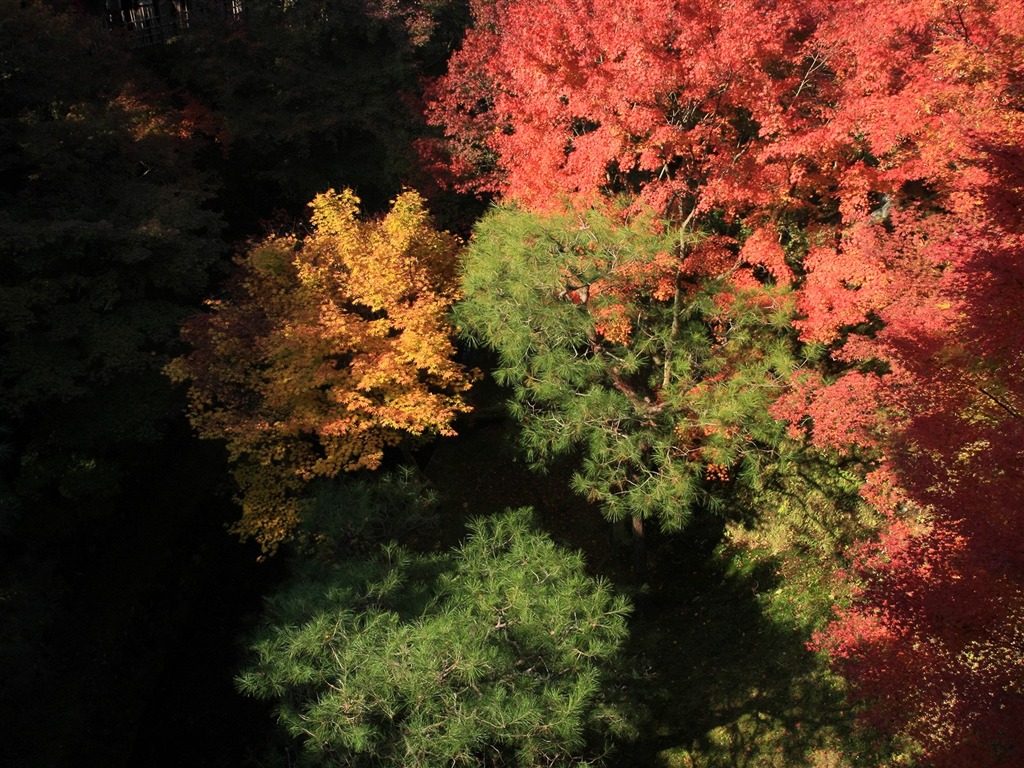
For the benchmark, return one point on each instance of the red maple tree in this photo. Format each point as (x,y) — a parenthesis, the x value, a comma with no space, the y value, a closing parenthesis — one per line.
(935,271)
(878,147)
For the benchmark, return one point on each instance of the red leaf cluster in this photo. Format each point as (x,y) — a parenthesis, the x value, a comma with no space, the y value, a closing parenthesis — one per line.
(880,145)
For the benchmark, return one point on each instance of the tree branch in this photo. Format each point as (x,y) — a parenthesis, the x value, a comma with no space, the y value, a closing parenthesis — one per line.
(999,401)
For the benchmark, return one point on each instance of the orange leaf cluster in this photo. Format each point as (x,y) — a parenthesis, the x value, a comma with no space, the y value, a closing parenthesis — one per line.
(329,350)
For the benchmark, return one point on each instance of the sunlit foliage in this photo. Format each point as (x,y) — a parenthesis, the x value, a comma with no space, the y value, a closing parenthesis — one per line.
(493,654)
(619,341)
(883,143)
(327,350)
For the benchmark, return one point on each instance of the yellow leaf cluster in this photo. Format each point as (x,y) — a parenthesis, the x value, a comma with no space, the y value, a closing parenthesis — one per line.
(330,349)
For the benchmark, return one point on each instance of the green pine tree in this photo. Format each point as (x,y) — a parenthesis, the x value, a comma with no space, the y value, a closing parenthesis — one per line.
(491,655)
(615,345)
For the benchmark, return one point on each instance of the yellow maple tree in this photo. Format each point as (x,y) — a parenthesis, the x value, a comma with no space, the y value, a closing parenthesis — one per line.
(328,349)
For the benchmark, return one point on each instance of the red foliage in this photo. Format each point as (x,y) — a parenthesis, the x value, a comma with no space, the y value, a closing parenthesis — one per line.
(577,97)
(934,640)
(889,137)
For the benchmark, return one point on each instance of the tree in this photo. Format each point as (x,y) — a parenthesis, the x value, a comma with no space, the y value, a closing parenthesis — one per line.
(882,143)
(683,104)
(916,303)
(326,351)
(604,102)
(621,341)
(493,654)
(311,95)
(107,240)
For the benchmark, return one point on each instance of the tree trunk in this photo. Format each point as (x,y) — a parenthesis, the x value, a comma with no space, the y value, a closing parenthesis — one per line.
(639,549)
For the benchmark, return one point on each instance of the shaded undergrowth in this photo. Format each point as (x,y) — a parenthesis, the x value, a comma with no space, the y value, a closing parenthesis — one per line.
(724,679)
(728,683)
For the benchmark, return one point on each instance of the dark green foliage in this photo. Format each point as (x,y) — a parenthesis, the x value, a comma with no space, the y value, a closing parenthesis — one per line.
(105,242)
(490,655)
(344,519)
(308,96)
(799,526)
(731,681)
(660,377)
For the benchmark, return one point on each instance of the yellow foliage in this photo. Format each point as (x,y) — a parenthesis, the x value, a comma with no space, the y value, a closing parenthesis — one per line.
(330,349)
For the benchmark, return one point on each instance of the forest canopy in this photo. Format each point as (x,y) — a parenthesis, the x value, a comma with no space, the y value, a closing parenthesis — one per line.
(880,147)
(744,275)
